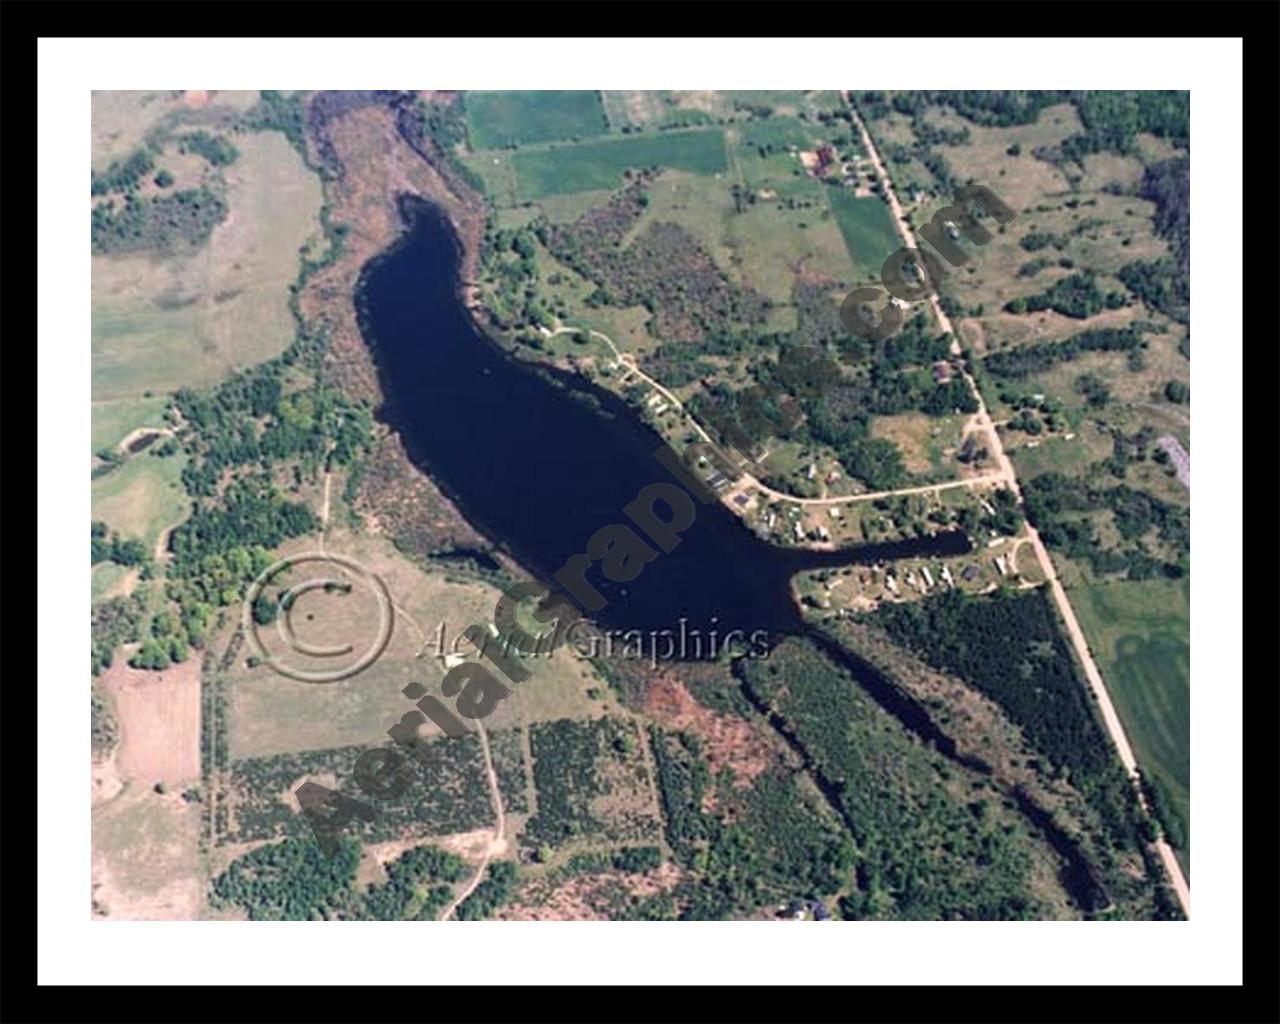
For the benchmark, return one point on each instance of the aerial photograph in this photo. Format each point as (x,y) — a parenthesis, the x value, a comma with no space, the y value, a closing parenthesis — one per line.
(640,506)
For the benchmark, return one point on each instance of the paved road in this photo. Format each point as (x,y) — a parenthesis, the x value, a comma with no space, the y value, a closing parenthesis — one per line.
(1006,472)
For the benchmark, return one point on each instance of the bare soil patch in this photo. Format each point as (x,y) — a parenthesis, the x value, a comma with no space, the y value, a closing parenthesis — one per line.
(728,742)
(159,716)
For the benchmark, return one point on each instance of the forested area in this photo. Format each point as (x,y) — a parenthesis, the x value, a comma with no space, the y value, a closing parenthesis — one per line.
(760,846)
(282,112)
(1010,648)
(923,853)
(1025,360)
(424,873)
(291,880)
(1111,119)
(123,175)
(448,792)
(104,727)
(251,419)
(498,885)
(586,775)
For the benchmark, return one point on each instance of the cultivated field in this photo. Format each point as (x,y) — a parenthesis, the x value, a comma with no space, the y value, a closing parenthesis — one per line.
(1140,634)
(599,164)
(499,119)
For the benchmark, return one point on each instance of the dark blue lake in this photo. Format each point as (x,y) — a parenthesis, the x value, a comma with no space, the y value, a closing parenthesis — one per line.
(538,460)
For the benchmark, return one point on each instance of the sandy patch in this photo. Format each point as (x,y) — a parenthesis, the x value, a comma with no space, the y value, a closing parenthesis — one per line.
(474,846)
(105,781)
(146,864)
(159,715)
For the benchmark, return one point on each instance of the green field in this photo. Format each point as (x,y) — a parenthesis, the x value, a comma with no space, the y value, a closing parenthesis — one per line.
(867,227)
(142,498)
(1140,632)
(599,164)
(113,421)
(498,119)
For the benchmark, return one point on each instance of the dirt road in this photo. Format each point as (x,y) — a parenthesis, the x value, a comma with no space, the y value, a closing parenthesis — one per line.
(499,842)
(982,420)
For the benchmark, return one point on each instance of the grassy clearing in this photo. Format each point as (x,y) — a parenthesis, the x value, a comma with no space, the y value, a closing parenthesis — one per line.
(270,714)
(121,119)
(770,242)
(498,119)
(108,580)
(599,164)
(113,421)
(1140,632)
(142,498)
(162,324)
(1057,455)
(926,442)
(867,228)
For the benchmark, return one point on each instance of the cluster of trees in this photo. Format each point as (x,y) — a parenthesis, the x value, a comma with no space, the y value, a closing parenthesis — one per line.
(123,175)
(172,633)
(281,112)
(289,881)
(1168,185)
(496,889)
(425,870)
(215,149)
(1059,507)
(566,761)
(104,728)
(1160,284)
(1034,241)
(1113,119)
(631,859)
(114,622)
(1075,296)
(1162,806)
(108,546)
(509,262)
(665,269)
(159,223)
(1025,360)
(250,419)
(448,792)
(443,125)
(251,515)
(1001,108)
